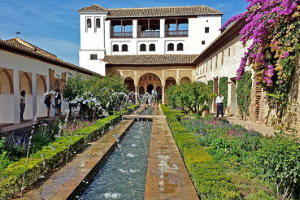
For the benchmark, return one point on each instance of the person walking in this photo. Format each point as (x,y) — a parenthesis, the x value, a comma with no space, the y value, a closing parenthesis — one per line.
(48,104)
(219,102)
(58,102)
(22,104)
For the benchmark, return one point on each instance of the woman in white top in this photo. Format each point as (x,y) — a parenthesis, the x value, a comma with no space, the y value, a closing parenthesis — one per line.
(22,105)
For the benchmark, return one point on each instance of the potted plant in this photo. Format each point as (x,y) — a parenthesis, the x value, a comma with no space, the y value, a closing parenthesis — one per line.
(205,110)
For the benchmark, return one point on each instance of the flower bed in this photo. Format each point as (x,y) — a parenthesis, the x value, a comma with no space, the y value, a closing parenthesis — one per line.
(260,167)
(49,157)
(209,178)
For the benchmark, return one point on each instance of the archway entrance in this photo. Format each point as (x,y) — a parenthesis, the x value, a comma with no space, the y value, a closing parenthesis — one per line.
(149,82)
(130,84)
(150,88)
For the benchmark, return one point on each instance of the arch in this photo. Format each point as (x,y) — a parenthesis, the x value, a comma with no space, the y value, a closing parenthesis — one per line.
(185,80)
(143,77)
(124,47)
(88,23)
(115,47)
(152,47)
(25,83)
(6,83)
(180,47)
(150,87)
(170,47)
(130,84)
(170,81)
(41,86)
(142,47)
(57,85)
(98,23)
(141,90)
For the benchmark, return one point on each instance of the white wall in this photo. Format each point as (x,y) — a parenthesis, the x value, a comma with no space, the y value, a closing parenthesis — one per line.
(9,104)
(99,41)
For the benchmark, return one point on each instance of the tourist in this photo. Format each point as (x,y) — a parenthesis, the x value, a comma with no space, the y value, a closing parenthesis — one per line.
(22,105)
(48,103)
(58,102)
(219,102)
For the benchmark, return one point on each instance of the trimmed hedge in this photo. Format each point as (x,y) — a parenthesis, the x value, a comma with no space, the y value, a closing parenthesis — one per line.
(209,179)
(50,157)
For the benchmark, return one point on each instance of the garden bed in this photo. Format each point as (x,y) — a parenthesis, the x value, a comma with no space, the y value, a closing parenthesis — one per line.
(227,161)
(27,170)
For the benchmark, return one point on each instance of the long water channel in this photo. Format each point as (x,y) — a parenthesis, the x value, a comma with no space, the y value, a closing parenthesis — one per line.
(123,175)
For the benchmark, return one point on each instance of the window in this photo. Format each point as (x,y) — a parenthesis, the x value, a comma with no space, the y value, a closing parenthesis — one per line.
(124,47)
(171,47)
(206,29)
(180,47)
(228,52)
(93,56)
(152,47)
(97,23)
(216,62)
(115,47)
(142,47)
(203,42)
(88,23)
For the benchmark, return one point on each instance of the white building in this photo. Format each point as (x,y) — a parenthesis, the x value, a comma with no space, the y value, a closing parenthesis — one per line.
(24,66)
(140,31)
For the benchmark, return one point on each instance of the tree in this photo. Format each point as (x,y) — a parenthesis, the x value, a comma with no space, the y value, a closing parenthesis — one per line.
(189,95)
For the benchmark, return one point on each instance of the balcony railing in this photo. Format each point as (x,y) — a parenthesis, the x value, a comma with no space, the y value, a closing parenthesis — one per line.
(183,33)
(121,35)
(148,34)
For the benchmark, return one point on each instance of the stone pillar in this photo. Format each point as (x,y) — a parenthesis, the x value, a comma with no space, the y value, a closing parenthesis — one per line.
(163,94)
(136,92)
(34,95)
(16,111)
(51,79)
(134,28)
(162,28)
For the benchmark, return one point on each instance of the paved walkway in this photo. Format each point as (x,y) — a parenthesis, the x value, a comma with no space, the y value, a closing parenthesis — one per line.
(167,176)
(262,128)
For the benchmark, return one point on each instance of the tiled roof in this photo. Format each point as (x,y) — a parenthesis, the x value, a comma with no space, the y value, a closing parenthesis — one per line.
(154,11)
(149,59)
(17,45)
(93,8)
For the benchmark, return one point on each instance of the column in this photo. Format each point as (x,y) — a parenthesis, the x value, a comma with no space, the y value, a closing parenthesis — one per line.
(136,93)
(162,28)
(34,95)
(134,28)
(16,96)
(163,94)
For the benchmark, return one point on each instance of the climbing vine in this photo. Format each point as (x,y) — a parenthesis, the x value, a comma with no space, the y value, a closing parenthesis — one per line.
(210,85)
(273,28)
(223,88)
(244,93)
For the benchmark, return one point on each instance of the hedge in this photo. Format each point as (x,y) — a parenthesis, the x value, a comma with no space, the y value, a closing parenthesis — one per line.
(208,177)
(50,157)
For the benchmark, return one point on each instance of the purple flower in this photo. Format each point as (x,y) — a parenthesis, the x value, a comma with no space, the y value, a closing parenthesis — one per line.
(286,54)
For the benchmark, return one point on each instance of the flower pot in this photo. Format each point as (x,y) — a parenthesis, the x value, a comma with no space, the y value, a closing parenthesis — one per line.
(205,112)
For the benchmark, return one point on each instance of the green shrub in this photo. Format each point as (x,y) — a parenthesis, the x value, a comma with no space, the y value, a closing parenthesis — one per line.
(48,157)
(209,178)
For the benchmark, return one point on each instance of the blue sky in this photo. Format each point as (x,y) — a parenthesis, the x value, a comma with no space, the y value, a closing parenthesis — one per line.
(53,25)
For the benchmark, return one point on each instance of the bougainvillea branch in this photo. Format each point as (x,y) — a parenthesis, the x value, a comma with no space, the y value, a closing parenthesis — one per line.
(273,29)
